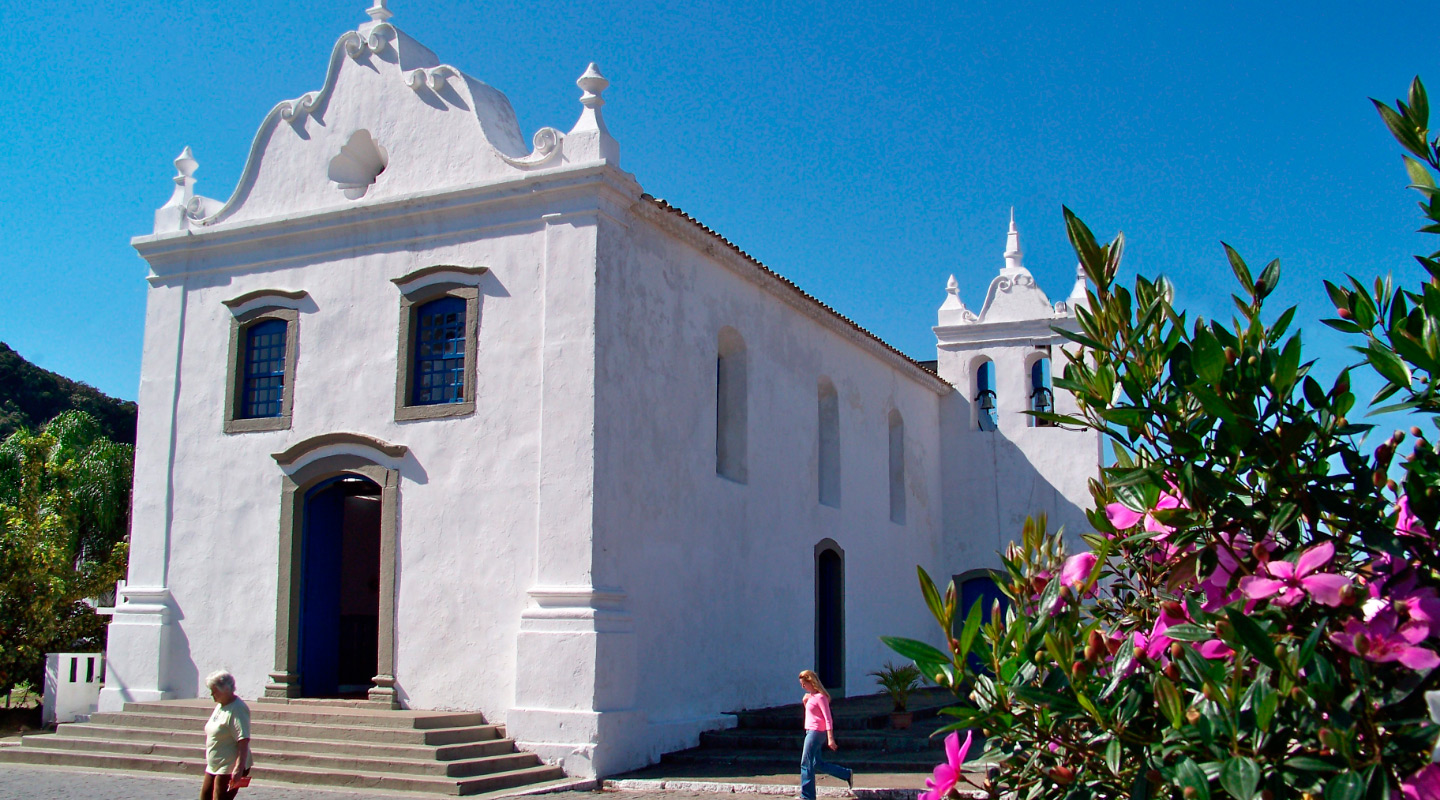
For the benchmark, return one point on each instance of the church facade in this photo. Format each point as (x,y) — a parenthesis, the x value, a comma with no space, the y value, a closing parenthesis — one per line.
(440,420)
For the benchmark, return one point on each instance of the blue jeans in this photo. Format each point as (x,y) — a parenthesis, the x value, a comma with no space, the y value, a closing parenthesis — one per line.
(812,758)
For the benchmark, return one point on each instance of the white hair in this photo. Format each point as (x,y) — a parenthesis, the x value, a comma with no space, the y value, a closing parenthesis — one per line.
(220,679)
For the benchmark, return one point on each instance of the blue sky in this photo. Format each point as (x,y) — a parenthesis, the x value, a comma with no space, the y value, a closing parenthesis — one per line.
(866,152)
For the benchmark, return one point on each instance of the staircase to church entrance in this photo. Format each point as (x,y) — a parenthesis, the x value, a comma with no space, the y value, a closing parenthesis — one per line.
(319,744)
(767,741)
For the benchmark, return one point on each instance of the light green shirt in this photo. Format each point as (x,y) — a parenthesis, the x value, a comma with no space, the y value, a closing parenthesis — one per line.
(228,724)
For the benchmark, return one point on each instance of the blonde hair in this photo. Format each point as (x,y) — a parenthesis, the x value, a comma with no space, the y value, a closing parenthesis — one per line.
(809,676)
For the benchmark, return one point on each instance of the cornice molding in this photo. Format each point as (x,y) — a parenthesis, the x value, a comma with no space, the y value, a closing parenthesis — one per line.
(441,273)
(277,298)
(295,453)
(617,191)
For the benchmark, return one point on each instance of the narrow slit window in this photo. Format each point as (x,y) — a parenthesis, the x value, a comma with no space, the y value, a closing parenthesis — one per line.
(897,468)
(264,389)
(440,352)
(829,466)
(730,407)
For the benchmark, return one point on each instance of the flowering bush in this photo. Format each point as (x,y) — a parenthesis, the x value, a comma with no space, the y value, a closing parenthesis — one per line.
(1259,612)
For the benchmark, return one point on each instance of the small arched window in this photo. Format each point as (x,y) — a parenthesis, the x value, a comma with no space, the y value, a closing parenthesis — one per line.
(730,406)
(435,375)
(986,416)
(263,352)
(263,391)
(829,472)
(897,467)
(1042,399)
(439,352)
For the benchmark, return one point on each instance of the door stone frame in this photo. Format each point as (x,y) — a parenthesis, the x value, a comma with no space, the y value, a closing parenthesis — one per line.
(304,468)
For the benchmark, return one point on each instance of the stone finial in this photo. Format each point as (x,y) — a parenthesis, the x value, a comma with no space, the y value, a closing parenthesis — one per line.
(173,216)
(590,140)
(185,166)
(953,311)
(1013,253)
(592,83)
(379,12)
(1077,293)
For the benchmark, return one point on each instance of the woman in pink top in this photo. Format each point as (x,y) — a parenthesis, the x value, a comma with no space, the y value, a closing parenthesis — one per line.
(819,732)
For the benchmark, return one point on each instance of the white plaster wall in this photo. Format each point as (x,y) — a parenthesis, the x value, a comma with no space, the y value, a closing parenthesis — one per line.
(1018,470)
(468,486)
(719,575)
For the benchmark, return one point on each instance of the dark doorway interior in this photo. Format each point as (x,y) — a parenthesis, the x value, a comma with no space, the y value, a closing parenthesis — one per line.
(977,588)
(830,619)
(340,588)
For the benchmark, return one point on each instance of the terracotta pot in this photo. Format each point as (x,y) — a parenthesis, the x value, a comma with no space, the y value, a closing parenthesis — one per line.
(900,720)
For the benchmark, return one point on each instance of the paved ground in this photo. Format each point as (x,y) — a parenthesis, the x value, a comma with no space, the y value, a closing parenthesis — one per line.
(23,782)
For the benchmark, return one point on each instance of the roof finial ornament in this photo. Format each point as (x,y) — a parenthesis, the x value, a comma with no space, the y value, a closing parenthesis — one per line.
(379,12)
(592,83)
(185,166)
(1013,254)
(954,312)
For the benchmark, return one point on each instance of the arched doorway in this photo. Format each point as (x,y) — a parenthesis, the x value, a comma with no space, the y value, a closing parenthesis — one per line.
(830,616)
(340,587)
(337,488)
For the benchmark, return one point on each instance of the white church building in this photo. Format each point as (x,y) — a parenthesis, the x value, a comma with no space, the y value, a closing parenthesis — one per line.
(435,418)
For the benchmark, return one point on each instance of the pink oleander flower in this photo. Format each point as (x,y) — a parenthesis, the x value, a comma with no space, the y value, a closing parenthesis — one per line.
(1076,571)
(1214,649)
(1381,639)
(948,773)
(1406,523)
(1285,584)
(1156,643)
(1423,785)
(1217,585)
(1123,517)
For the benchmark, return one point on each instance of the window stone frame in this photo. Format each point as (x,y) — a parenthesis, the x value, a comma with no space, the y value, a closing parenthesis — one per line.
(234,370)
(417,289)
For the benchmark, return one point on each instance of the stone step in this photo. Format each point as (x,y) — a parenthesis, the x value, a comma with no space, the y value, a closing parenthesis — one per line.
(341,733)
(319,714)
(871,711)
(292,774)
(74,735)
(273,757)
(755,761)
(913,740)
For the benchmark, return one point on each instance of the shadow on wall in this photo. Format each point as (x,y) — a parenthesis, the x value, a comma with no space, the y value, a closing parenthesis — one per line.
(1001,488)
(184,674)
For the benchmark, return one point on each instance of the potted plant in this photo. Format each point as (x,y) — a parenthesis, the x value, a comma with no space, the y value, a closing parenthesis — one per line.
(898,681)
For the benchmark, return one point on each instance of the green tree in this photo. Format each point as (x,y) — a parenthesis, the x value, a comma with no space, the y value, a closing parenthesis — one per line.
(1259,613)
(64,502)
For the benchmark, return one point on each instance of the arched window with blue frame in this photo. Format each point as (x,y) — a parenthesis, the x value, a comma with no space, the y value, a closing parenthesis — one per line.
(1041,397)
(986,416)
(263,392)
(439,366)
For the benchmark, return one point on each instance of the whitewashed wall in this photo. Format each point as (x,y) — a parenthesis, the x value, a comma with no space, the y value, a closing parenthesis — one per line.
(719,575)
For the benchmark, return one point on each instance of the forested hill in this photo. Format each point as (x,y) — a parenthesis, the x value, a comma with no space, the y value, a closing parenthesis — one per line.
(31,396)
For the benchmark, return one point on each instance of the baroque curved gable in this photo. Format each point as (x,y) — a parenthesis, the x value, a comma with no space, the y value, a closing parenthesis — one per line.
(390,120)
(1014,296)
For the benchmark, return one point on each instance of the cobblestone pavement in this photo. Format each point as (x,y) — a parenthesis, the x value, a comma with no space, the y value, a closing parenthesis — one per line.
(19,782)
